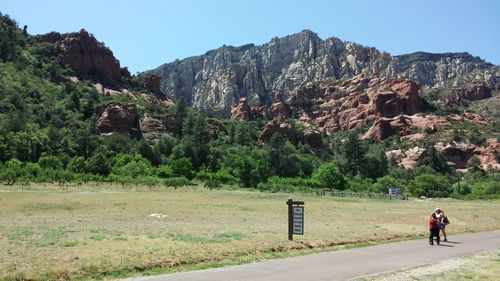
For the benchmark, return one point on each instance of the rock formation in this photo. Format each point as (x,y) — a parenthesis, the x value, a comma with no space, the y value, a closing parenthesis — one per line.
(472,92)
(117,118)
(275,126)
(86,56)
(152,129)
(152,83)
(457,154)
(242,111)
(217,79)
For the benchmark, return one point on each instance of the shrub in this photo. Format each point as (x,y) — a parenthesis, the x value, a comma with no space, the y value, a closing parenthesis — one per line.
(182,167)
(164,171)
(221,176)
(176,182)
(328,175)
(430,185)
(11,171)
(383,184)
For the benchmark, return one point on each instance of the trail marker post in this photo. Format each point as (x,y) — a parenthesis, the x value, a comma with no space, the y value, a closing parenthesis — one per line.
(295,218)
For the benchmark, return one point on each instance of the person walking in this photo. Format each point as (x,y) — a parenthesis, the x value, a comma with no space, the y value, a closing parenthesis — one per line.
(433,229)
(443,221)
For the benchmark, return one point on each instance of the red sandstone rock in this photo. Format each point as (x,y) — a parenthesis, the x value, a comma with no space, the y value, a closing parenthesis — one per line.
(312,137)
(473,92)
(385,127)
(409,158)
(86,56)
(272,127)
(241,111)
(152,83)
(280,111)
(152,129)
(117,118)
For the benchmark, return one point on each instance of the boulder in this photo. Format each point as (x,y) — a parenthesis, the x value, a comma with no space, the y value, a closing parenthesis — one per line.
(242,111)
(274,126)
(117,118)
(280,111)
(152,129)
(172,125)
(312,137)
(409,158)
(386,127)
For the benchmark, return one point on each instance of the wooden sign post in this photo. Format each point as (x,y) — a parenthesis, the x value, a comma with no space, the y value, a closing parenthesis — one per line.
(295,218)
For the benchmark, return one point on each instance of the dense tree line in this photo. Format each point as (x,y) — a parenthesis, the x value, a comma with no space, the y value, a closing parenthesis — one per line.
(48,134)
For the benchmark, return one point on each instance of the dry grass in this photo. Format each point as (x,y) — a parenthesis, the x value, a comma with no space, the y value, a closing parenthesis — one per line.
(47,233)
(484,266)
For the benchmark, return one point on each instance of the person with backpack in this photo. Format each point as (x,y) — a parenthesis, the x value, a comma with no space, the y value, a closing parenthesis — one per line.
(443,222)
(433,229)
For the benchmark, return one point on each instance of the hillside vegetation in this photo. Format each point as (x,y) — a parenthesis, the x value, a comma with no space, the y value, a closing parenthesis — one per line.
(49,110)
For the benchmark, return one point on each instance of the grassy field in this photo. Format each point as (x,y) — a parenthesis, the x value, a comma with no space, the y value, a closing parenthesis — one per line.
(106,231)
(483,266)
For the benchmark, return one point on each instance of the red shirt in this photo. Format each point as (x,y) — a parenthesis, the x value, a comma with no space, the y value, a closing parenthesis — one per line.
(433,222)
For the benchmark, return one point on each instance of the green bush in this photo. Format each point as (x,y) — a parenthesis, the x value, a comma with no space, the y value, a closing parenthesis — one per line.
(221,176)
(176,182)
(430,185)
(328,176)
(383,184)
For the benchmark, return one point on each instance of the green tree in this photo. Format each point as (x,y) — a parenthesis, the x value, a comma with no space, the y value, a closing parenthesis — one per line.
(98,163)
(182,167)
(50,162)
(11,171)
(180,113)
(430,185)
(10,39)
(147,152)
(376,164)
(354,154)
(436,160)
(383,184)
(329,176)
(77,165)
(282,159)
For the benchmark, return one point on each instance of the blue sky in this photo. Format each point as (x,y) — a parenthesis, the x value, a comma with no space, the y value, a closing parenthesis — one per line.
(144,34)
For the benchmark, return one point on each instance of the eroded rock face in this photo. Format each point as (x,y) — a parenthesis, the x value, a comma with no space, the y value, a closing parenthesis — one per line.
(272,127)
(220,77)
(280,111)
(477,91)
(152,129)
(357,102)
(386,127)
(242,111)
(152,83)
(117,118)
(312,137)
(86,56)
(457,154)
(409,158)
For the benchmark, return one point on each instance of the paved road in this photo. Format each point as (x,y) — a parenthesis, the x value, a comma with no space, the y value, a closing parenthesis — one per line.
(345,264)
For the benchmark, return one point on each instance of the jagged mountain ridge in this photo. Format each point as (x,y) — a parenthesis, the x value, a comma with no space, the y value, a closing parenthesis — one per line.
(216,80)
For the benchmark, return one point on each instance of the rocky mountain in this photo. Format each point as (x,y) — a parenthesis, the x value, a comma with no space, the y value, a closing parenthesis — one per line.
(216,81)
(86,56)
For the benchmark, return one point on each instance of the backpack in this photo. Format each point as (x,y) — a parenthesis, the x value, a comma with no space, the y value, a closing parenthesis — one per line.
(446,221)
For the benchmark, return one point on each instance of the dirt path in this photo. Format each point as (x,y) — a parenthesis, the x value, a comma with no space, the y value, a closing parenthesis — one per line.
(345,264)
